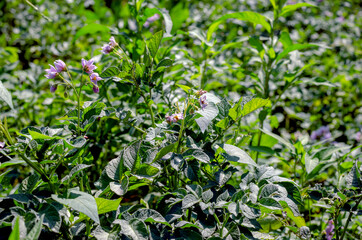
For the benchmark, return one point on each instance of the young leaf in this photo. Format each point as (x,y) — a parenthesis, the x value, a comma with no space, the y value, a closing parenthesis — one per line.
(106,205)
(154,43)
(291,8)
(292,48)
(6,96)
(80,201)
(252,17)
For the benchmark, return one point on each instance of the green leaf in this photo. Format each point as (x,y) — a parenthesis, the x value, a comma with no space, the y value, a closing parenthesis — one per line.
(184,87)
(164,151)
(91,29)
(280,139)
(135,229)
(80,201)
(292,48)
(28,184)
(166,62)
(197,154)
(154,43)
(291,8)
(146,171)
(189,200)
(255,104)
(114,168)
(168,21)
(275,6)
(222,123)
(52,218)
(110,72)
(6,96)
(235,111)
(149,215)
(354,177)
(207,115)
(36,230)
(106,205)
(256,43)
(120,188)
(73,172)
(285,39)
(37,135)
(252,17)
(235,154)
(179,15)
(310,163)
(130,156)
(15,233)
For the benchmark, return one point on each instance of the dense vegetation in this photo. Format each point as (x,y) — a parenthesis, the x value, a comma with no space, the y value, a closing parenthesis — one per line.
(180,119)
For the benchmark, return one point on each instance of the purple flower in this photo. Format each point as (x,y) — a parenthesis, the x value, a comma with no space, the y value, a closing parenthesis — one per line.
(88,66)
(53,87)
(322,133)
(60,66)
(95,89)
(112,42)
(94,77)
(358,136)
(329,230)
(51,73)
(151,20)
(174,117)
(106,49)
(203,102)
(2,145)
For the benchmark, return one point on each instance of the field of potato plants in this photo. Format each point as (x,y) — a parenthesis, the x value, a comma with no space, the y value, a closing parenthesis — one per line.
(155,119)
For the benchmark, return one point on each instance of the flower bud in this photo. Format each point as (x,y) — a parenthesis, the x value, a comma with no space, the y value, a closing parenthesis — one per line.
(53,87)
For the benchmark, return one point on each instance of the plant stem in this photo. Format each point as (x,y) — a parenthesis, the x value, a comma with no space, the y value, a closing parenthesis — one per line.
(78,101)
(349,218)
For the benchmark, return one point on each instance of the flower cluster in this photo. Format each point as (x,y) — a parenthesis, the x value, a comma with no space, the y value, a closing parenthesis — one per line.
(322,133)
(174,117)
(200,92)
(329,230)
(108,48)
(54,71)
(151,20)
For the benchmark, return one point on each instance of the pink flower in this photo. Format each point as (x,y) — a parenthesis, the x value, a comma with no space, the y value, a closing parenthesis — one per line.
(51,73)
(60,66)
(106,49)
(88,66)
(2,145)
(112,42)
(200,92)
(174,117)
(203,102)
(94,77)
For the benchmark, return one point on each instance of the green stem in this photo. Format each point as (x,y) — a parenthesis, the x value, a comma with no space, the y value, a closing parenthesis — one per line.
(349,218)
(78,101)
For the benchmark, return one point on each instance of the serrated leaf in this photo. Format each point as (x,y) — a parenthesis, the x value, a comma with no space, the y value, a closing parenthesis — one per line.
(6,96)
(291,8)
(235,154)
(106,205)
(80,201)
(154,43)
(252,17)
(110,72)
